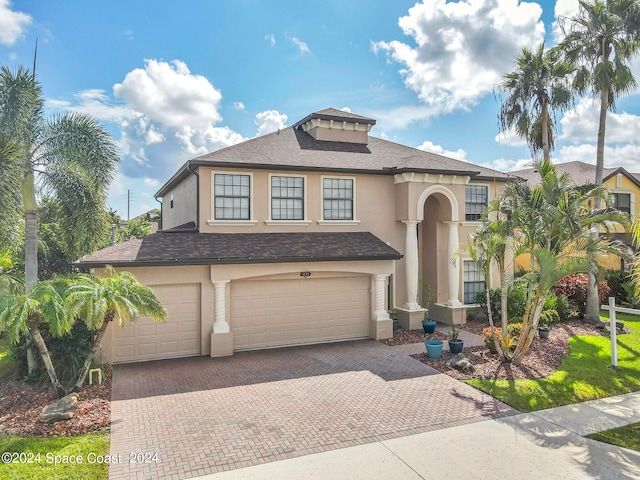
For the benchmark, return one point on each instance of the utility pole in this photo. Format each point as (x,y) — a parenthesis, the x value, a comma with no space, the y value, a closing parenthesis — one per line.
(128,204)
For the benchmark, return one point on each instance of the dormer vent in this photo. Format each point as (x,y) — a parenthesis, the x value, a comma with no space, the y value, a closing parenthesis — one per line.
(331,125)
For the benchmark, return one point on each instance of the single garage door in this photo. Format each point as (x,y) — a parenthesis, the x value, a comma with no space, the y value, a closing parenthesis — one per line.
(269,313)
(178,336)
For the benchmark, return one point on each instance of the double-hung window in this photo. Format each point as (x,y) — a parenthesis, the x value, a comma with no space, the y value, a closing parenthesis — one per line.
(337,198)
(473,280)
(476,200)
(622,201)
(232,196)
(287,198)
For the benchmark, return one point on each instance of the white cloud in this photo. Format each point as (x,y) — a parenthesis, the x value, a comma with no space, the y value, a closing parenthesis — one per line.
(614,156)
(581,124)
(152,182)
(428,146)
(563,11)
(510,138)
(170,94)
(302,47)
(271,39)
(238,106)
(509,165)
(165,115)
(12,24)
(346,109)
(270,121)
(462,48)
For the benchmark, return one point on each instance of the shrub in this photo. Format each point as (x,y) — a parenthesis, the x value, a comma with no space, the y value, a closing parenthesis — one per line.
(516,301)
(563,307)
(616,279)
(574,287)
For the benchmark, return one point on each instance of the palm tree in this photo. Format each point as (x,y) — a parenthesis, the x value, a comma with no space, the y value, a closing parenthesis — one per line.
(99,301)
(23,313)
(537,89)
(549,221)
(69,157)
(600,41)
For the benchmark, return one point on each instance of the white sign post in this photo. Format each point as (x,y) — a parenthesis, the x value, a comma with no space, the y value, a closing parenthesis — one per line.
(613,332)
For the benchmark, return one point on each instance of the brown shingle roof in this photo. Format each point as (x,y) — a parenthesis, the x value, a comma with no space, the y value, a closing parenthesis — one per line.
(580,172)
(293,149)
(183,248)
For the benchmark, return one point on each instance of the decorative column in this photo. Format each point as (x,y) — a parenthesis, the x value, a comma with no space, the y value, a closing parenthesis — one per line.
(453,269)
(220,324)
(411,264)
(381,312)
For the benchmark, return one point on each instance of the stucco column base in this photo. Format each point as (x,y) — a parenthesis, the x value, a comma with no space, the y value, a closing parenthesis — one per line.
(382,329)
(410,319)
(448,314)
(221,344)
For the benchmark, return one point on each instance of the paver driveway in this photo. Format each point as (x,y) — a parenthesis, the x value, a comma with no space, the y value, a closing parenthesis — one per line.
(203,415)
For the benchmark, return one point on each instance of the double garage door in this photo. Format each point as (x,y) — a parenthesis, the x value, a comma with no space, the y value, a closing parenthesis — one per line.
(271,313)
(264,313)
(178,336)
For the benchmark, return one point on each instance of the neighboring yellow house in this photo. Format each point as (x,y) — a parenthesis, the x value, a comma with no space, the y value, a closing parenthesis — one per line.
(624,187)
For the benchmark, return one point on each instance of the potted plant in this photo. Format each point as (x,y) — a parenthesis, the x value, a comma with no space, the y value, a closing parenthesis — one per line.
(429,326)
(455,344)
(434,348)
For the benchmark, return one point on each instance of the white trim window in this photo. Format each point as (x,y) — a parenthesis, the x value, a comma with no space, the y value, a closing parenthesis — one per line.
(338,198)
(476,199)
(287,197)
(232,196)
(473,281)
(621,201)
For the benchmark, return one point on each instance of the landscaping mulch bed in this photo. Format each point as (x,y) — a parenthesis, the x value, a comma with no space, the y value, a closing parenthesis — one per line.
(21,404)
(542,359)
(406,337)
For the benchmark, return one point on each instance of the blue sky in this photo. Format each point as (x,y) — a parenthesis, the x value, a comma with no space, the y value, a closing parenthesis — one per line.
(174,80)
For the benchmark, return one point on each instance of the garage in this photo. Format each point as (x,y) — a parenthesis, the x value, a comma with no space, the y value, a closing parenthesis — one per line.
(278,312)
(178,336)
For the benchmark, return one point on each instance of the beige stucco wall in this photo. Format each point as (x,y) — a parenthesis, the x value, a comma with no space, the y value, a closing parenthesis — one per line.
(382,202)
(184,204)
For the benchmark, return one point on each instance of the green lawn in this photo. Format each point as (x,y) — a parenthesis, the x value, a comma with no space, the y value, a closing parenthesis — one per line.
(628,437)
(42,454)
(585,374)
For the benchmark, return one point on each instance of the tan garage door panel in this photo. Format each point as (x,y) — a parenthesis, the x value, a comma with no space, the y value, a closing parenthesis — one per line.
(269,313)
(179,336)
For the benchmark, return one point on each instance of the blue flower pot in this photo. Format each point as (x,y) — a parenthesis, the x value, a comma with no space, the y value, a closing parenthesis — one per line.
(434,348)
(455,346)
(429,326)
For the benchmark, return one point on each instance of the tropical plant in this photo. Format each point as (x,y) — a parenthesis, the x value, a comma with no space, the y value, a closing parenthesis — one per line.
(69,157)
(99,301)
(548,221)
(600,42)
(537,89)
(24,313)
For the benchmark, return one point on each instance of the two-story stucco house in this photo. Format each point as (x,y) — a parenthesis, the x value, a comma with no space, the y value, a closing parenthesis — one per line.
(305,235)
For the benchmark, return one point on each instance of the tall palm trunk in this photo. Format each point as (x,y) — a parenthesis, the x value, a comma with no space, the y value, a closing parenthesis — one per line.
(94,348)
(544,124)
(593,308)
(44,353)
(30,246)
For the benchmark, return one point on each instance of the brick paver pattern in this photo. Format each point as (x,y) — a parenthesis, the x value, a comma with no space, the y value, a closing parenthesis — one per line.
(203,415)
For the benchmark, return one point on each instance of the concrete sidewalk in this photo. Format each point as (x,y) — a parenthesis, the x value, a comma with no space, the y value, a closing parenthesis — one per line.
(546,444)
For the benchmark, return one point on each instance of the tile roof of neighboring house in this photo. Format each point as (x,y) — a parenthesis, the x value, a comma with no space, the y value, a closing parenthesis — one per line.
(184,248)
(293,149)
(580,172)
